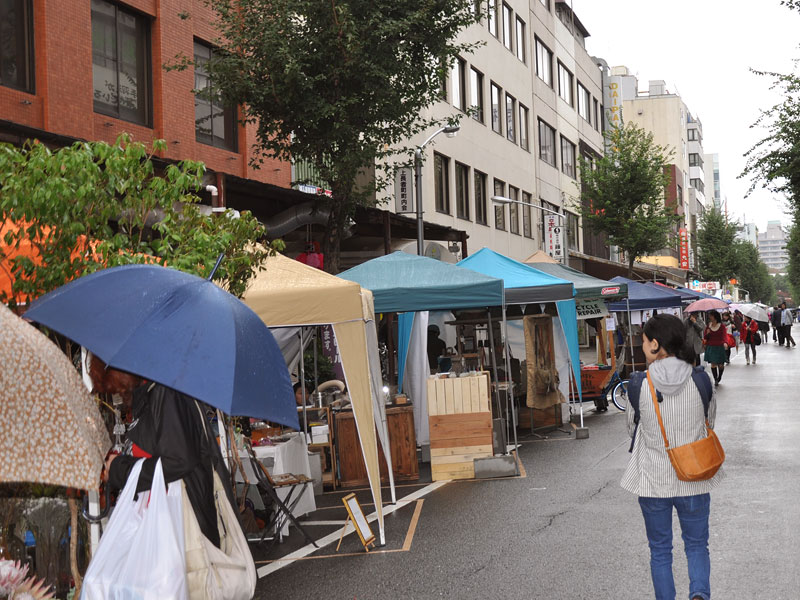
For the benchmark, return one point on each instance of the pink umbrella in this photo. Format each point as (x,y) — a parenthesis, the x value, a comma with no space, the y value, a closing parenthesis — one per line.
(706,304)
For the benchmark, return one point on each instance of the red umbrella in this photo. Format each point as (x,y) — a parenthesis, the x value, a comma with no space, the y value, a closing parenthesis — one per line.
(707,304)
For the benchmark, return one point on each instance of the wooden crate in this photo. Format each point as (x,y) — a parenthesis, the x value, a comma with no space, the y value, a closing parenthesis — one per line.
(460,424)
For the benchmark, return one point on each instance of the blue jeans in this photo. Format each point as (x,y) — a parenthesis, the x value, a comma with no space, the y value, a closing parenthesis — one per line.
(693,516)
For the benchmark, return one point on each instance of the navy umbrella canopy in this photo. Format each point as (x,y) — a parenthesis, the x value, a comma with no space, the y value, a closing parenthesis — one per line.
(179,330)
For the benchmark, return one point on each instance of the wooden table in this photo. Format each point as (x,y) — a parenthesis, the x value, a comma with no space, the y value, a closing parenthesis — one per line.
(402,442)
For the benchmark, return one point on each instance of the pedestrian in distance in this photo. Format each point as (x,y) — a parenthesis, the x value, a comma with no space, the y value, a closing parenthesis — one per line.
(786,325)
(728,323)
(694,335)
(777,328)
(650,474)
(763,328)
(715,341)
(748,333)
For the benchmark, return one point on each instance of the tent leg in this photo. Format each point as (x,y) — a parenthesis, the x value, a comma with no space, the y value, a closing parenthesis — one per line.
(303,385)
(630,337)
(316,374)
(494,362)
(510,392)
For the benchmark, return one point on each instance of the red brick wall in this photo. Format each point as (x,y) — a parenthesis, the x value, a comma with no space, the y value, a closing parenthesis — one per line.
(63,98)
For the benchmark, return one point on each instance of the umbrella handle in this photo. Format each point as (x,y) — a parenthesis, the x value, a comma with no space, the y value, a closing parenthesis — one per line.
(103,513)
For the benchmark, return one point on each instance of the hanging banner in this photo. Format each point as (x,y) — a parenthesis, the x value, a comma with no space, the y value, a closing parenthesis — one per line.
(612,100)
(403,196)
(554,236)
(591,308)
(684,253)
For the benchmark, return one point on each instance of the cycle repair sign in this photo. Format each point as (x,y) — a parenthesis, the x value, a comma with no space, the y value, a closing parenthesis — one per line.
(591,309)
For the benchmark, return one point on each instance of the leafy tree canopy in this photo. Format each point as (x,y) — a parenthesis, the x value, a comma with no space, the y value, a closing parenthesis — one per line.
(623,193)
(341,84)
(716,241)
(92,205)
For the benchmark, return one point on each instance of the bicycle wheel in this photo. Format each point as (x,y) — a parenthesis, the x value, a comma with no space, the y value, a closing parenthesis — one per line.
(619,396)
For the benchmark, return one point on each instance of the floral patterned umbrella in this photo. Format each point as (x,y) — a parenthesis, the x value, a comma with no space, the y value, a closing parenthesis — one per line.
(51,430)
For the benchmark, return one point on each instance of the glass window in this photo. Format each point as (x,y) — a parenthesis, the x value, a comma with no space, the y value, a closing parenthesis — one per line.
(679,195)
(499,209)
(547,143)
(16,45)
(584,102)
(527,225)
(695,160)
(481,215)
(693,137)
(493,17)
(520,40)
(567,157)
(698,185)
(462,191)
(441,171)
(544,63)
(565,84)
(573,225)
(120,63)
(457,83)
(507,23)
(214,122)
(476,94)
(511,115)
(513,210)
(523,127)
(497,120)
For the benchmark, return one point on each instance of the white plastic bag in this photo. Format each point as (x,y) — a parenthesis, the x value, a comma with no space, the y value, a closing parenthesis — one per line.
(141,554)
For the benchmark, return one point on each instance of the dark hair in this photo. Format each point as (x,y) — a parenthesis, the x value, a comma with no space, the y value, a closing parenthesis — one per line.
(670,333)
(715,314)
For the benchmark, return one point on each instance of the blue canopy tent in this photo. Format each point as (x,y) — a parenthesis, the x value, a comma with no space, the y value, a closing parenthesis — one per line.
(526,285)
(684,296)
(697,295)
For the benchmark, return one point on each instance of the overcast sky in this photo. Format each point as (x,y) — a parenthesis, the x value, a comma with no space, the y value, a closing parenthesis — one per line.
(704,50)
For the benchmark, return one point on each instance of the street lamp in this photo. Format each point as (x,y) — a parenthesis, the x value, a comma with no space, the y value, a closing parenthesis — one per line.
(450,131)
(503,200)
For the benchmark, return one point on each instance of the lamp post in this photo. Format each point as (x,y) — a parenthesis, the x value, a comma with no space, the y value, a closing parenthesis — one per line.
(450,131)
(504,200)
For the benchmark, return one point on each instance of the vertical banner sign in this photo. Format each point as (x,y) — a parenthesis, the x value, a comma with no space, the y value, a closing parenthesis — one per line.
(554,236)
(403,199)
(612,100)
(684,237)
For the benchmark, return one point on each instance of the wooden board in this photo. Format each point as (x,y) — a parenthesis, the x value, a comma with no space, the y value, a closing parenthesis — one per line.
(456,450)
(484,440)
(453,471)
(459,426)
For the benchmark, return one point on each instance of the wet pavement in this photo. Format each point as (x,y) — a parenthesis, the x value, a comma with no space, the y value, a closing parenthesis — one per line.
(566,530)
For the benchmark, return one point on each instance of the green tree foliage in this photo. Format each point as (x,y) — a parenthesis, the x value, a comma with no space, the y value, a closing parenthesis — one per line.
(753,274)
(716,247)
(341,84)
(94,205)
(623,193)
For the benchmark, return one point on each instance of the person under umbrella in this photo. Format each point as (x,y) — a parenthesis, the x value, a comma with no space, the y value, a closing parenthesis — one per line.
(715,340)
(749,330)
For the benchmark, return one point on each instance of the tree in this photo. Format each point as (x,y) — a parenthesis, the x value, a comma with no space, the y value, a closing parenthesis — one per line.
(753,274)
(622,193)
(95,205)
(716,247)
(340,84)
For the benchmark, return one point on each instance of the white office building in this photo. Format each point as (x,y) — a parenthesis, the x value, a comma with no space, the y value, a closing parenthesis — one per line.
(772,247)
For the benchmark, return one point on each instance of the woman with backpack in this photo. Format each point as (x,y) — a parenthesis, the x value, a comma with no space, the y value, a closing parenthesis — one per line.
(650,474)
(749,331)
(715,340)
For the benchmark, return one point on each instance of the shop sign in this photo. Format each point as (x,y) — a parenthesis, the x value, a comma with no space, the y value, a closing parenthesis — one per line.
(554,237)
(591,309)
(609,291)
(684,255)
(403,195)
(612,99)
(709,287)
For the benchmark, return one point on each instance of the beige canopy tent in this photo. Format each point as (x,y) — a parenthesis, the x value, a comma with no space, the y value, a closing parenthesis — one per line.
(288,293)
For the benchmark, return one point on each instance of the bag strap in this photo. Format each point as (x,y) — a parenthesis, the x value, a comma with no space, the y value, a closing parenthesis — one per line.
(634,389)
(658,410)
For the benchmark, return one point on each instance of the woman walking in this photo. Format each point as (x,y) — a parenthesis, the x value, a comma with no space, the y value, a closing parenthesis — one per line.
(650,474)
(748,334)
(715,340)
(729,327)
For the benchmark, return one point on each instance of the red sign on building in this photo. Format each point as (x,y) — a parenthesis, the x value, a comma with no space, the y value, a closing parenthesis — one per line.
(684,237)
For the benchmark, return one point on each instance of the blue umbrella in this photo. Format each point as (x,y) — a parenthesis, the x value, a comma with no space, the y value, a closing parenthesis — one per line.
(178,330)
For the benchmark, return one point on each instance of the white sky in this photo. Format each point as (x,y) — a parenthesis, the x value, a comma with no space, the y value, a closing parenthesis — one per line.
(703,50)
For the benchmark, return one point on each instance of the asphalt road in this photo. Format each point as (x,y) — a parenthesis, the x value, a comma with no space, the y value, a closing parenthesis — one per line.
(568,531)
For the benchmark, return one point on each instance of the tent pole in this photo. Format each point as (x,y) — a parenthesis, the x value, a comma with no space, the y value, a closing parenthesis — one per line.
(303,386)
(494,361)
(630,336)
(510,392)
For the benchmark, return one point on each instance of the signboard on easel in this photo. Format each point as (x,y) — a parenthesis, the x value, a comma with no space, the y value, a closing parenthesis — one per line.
(356,516)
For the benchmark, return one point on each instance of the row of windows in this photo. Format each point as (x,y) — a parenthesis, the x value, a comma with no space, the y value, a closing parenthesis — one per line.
(547,150)
(121,68)
(588,108)
(501,19)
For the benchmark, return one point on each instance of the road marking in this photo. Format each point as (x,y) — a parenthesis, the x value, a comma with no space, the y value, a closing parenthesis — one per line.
(309,549)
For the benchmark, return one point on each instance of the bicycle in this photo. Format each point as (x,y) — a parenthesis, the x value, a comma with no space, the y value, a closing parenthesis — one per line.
(618,388)
(615,386)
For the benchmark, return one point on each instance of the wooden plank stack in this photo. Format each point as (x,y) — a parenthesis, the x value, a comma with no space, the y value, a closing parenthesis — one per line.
(460,423)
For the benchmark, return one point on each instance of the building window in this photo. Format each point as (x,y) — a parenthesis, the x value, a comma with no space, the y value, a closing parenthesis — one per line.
(692,135)
(698,185)
(547,143)
(120,63)
(527,224)
(507,24)
(513,210)
(573,225)
(520,39)
(567,157)
(16,45)
(458,83)
(544,63)
(565,84)
(584,103)
(481,216)
(462,191)
(679,195)
(499,209)
(476,94)
(214,123)
(695,160)
(441,173)
(596,115)
(497,121)
(493,17)
(523,127)
(511,115)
